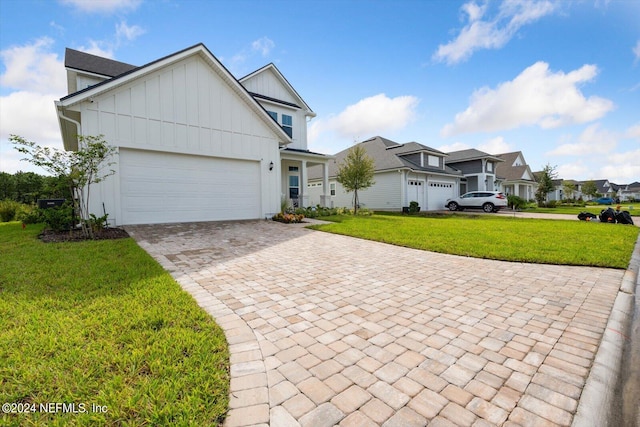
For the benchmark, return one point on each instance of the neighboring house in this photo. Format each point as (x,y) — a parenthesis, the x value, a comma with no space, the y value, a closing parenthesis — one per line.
(606,188)
(479,169)
(558,190)
(194,143)
(403,173)
(516,176)
(628,192)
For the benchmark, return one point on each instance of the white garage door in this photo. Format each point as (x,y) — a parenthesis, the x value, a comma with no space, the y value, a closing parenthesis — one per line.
(438,193)
(160,187)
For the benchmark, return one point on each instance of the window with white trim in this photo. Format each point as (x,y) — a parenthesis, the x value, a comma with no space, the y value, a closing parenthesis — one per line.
(287,124)
(273,114)
(332,187)
(434,161)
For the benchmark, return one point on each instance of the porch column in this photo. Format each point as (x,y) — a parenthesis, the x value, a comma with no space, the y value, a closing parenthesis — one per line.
(325,185)
(403,189)
(516,189)
(304,198)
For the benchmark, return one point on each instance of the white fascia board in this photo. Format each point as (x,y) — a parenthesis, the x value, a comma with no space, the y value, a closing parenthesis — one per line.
(108,85)
(308,111)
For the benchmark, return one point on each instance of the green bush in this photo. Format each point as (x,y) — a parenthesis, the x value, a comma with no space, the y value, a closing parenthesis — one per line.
(8,209)
(516,202)
(58,218)
(29,214)
(414,207)
(315,211)
(288,218)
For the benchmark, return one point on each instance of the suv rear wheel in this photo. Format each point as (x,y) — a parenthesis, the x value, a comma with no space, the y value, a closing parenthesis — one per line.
(488,207)
(453,206)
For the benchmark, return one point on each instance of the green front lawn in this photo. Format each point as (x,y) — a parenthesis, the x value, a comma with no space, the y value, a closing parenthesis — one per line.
(502,238)
(100,326)
(633,209)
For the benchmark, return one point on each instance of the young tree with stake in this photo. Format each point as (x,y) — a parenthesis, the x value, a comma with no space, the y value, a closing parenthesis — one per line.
(356,173)
(88,165)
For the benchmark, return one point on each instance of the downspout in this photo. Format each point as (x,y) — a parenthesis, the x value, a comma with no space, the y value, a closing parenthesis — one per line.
(63,117)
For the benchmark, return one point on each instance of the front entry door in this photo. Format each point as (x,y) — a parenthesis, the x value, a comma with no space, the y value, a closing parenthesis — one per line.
(294,186)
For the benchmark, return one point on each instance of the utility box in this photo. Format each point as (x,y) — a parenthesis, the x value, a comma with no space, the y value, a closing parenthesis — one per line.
(50,203)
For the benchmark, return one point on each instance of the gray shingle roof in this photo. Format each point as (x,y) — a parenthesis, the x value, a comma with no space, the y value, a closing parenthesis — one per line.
(470,154)
(386,155)
(509,172)
(83,61)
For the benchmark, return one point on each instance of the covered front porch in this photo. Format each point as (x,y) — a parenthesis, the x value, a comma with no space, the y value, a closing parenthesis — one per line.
(522,189)
(295,177)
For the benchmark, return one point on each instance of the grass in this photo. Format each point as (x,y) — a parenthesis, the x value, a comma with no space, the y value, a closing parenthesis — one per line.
(101,323)
(634,209)
(510,239)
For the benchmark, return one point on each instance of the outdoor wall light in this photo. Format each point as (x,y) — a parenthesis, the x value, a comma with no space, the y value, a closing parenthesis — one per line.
(271,166)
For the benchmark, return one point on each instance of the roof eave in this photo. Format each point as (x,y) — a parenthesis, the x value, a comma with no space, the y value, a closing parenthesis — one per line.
(199,49)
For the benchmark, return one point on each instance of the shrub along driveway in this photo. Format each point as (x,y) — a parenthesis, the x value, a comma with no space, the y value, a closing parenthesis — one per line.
(326,329)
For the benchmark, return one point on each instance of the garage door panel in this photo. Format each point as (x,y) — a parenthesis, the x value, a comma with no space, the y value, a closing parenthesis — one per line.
(439,192)
(165,187)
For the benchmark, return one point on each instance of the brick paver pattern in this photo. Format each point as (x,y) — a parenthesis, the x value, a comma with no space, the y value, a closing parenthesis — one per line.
(328,330)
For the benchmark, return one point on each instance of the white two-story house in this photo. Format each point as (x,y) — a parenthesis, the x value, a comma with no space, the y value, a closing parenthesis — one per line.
(193,142)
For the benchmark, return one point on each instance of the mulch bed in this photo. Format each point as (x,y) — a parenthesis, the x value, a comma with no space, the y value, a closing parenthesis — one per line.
(50,236)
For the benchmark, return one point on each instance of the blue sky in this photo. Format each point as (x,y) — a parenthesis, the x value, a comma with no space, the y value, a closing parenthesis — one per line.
(557,80)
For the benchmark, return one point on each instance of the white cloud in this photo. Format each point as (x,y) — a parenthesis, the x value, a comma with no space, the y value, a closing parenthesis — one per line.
(103,6)
(592,140)
(576,170)
(98,48)
(29,114)
(496,146)
(37,78)
(262,46)
(636,51)
(633,132)
(456,146)
(536,97)
(33,68)
(621,168)
(370,116)
(491,33)
(130,33)
(493,146)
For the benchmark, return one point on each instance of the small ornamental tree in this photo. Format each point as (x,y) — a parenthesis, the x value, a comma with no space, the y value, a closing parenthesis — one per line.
(590,188)
(545,184)
(356,173)
(569,189)
(90,164)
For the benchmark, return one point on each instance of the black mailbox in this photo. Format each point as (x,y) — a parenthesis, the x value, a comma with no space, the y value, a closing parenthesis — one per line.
(49,203)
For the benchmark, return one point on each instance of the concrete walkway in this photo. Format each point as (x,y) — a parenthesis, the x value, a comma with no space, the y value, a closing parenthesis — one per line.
(330,330)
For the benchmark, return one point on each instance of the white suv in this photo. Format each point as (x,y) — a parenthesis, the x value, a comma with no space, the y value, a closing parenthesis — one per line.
(488,201)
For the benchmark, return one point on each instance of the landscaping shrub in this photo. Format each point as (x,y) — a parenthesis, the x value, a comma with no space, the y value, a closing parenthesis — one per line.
(8,209)
(29,214)
(414,207)
(58,218)
(516,202)
(288,218)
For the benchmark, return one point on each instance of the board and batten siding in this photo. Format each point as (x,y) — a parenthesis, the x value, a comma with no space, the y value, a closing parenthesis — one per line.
(383,195)
(185,108)
(267,84)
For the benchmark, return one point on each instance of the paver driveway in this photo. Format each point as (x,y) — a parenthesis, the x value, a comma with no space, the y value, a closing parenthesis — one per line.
(330,330)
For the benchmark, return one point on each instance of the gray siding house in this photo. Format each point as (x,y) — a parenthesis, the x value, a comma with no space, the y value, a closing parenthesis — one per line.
(479,169)
(403,173)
